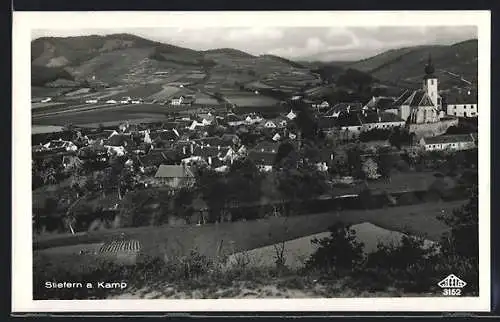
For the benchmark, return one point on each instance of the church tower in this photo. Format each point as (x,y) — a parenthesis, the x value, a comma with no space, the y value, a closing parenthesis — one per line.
(430,84)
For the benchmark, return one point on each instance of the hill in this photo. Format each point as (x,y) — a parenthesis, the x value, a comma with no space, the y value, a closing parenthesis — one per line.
(284,60)
(126,58)
(404,66)
(229,52)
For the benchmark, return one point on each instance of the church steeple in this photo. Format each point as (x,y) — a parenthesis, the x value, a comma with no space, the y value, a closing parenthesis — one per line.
(429,68)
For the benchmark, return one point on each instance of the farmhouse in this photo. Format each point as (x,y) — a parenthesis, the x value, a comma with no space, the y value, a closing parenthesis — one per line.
(343,108)
(449,142)
(175,176)
(462,105)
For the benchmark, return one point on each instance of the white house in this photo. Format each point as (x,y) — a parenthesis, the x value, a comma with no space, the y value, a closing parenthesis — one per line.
(46,100)
(270,124)
(322,105)
(115,150)
(276,137)
(177,100)
(125,100)
(448,142)
(111,102)
(55,144)
(91,101)
(291,115)
(464,105)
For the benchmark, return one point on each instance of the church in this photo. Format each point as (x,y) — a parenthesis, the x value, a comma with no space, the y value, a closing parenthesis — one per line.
(423,105)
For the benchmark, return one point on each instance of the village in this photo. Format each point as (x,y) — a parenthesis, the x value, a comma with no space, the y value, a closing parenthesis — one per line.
(340,144)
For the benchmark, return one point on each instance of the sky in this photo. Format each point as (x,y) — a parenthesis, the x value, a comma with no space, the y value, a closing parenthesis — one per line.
(298,43)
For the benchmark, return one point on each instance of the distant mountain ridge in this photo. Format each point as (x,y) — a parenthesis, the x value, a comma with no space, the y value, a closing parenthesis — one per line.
(455,64)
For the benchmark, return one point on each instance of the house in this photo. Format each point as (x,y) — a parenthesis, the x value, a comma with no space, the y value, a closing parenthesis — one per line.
(60,145)
(291,115)
(423,105)
(233,120)
(177,101)
(155,158)
(253,119)
(263,160)
(281,122)
(381,104)
(175,176)
(124,140)
(211,141)
(163,135)
(270,125)
(70,162)
(265,146)
(231,139)
(322,105)
(276,137)
(115,150)
(211,155)
(91,101)
(448,142)
(111,102)
(339,108)
(125,100)
(462,105)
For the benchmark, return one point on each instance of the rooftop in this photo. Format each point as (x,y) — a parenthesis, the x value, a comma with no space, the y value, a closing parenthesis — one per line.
(174,171)
(449,139)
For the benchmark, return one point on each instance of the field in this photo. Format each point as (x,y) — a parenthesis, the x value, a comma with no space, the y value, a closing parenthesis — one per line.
(241,236)
(165,93)
(298,250)
(246,100)
(39,129)
(103,114)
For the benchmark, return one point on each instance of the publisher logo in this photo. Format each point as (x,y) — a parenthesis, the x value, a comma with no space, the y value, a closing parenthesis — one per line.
(452,285)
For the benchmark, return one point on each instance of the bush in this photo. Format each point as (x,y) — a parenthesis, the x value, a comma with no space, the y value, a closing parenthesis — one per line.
(339,252)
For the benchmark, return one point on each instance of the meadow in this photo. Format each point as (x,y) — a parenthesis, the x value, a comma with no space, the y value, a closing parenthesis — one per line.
(240,236)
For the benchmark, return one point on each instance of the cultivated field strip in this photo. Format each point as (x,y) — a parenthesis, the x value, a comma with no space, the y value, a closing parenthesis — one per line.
(117,246)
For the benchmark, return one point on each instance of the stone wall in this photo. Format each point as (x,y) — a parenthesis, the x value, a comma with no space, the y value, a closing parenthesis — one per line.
(431,129)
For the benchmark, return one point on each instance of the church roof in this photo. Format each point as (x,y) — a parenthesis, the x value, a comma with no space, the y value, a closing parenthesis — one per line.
(402,98)
(418,98)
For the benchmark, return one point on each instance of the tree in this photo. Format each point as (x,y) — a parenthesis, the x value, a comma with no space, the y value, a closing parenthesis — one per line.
(340,251)
(354,161)
(386,162)
(370,169)
(463,239)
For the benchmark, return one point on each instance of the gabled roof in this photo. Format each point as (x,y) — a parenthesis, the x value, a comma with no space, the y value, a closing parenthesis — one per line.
(120,140)
(174,171)
(465,98)
(449,139)
(206,152)
(266,146)
(381,103)
(163,135)
(348,119)
(343,107)
(211,141)
(262,158)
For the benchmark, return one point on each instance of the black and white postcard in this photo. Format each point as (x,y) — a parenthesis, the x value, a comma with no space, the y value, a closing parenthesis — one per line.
(251,161)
